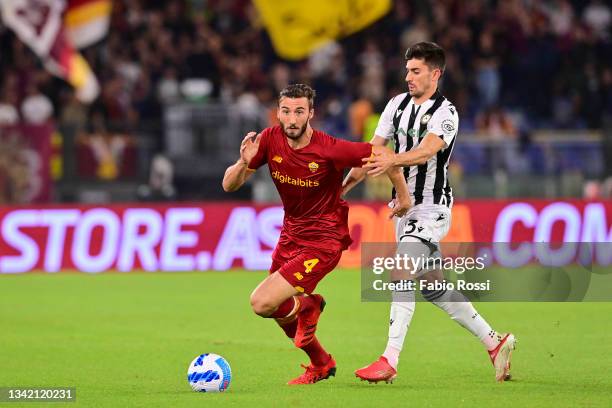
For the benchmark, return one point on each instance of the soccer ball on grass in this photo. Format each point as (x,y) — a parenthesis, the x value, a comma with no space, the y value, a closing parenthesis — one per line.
(209,373)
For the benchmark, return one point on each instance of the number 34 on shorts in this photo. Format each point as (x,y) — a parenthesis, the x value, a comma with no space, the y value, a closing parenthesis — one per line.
(304,267)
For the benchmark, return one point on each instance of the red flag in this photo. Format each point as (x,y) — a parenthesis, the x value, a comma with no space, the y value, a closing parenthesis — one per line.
(39,24)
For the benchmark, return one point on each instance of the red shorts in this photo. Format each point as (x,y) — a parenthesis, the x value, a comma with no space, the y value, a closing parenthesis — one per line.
(303,267)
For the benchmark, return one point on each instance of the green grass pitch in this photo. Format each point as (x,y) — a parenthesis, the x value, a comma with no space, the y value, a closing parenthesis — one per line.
(125,340)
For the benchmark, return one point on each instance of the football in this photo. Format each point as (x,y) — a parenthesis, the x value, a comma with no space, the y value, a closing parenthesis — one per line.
(209,373)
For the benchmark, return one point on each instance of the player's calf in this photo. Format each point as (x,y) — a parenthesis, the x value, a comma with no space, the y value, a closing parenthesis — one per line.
(461,310)
(308,318)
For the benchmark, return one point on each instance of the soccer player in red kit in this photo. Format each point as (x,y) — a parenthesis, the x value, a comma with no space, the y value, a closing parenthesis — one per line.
(307,168)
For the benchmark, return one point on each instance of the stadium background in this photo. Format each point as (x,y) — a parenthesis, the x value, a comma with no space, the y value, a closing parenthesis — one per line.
(118,118)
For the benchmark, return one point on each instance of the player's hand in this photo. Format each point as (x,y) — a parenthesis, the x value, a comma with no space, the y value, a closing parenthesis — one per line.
(249,146)
(379,163)
(400,207)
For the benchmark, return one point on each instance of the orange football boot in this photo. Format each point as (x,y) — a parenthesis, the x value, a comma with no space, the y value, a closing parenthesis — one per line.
(315,374)
(380,370)
(500,357)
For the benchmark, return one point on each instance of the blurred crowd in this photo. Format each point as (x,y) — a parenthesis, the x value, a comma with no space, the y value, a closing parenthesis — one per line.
(541,63)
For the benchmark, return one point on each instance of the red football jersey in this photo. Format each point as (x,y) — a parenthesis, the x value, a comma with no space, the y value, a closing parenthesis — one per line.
(309,181)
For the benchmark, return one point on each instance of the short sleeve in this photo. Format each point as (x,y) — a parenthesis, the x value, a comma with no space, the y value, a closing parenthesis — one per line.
(444,123)
(385,126)
(261,157)
(345,154)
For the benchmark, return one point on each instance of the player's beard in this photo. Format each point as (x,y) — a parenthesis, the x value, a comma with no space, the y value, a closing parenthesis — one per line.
(416,92)
(295,135)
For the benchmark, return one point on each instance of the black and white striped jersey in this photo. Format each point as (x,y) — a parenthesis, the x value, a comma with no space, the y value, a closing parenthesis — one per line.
(407,124)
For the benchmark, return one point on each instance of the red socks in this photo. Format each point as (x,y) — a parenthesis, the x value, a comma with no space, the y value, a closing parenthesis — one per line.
(292,306)
(289,327)
(286,317)
(318,356)
(287,308)
(307,302)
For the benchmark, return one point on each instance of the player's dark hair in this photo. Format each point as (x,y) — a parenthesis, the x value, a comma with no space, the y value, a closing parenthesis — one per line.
(430,52)
(299,91)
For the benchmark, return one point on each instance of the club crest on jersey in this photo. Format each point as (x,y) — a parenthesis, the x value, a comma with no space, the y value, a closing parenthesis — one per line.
(313,166)
(277,159)
(448,126)
(425,118)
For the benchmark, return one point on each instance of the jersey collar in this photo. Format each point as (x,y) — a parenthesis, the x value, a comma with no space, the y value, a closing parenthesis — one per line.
(432,98)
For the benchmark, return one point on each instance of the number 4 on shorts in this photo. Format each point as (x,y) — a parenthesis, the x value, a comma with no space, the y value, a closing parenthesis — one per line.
(309,264)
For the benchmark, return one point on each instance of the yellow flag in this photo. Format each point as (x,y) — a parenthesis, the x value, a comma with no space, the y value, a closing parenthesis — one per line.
(297,27)
(87,21)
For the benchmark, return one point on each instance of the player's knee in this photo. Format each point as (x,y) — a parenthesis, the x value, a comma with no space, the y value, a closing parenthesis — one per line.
(261,307)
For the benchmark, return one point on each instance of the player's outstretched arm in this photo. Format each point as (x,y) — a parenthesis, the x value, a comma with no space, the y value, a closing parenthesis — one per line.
(429,146)
(238,173)
(357,174)
(402,201)
(354,177)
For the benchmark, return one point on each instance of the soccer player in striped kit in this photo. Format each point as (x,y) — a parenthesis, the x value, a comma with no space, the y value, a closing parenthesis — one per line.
(424,126)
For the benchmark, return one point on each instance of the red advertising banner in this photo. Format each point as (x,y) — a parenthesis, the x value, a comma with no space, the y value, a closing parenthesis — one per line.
(220,236)
(25,174)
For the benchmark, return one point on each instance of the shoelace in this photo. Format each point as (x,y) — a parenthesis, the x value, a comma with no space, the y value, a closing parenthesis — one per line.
(310,374)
